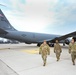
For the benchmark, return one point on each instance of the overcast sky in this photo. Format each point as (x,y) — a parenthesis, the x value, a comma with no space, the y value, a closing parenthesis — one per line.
(43,16)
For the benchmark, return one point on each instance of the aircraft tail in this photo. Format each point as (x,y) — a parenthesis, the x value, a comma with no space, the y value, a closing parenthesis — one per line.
(4,23)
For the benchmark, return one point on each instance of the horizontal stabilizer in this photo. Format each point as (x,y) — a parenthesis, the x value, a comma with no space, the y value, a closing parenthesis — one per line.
(3,31)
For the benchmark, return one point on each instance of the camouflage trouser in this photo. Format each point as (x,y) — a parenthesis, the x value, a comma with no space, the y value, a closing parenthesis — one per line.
(44,57)
(73,55)
(58,54)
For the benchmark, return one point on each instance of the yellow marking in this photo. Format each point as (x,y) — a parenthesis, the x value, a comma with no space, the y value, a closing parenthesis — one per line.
(31,51)
(4,48)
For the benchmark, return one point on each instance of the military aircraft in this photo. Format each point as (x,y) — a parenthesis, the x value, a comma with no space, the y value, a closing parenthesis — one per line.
(9,32)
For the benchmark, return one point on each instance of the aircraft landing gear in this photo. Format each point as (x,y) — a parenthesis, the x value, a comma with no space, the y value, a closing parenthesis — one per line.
(63,44)
(38,44)
(51,45)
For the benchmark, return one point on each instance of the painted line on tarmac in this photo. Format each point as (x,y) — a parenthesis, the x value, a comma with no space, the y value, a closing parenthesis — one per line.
(31,51)
(4,48)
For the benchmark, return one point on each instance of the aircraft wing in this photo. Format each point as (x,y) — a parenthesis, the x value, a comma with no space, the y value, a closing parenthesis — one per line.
(73,34)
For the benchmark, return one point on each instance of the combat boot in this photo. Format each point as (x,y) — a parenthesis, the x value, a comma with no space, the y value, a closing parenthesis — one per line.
(44,64)
(58,59)
(73,63)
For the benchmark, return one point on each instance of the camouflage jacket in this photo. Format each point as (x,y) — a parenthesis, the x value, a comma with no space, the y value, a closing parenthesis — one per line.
(44,49)
(72,47)
(57,47)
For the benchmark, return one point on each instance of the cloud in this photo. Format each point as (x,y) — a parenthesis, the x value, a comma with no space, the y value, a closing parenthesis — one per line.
(41,15)
(32,13)
(63,12)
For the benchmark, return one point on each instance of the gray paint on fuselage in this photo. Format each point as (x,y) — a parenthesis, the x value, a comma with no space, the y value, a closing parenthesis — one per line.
(29,36)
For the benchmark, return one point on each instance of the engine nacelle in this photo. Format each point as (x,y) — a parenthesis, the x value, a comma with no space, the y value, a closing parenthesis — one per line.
(67,41)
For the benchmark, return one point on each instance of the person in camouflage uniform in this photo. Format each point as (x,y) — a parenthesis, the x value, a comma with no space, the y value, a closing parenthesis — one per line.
(44,50)
(72,50)
(57,50)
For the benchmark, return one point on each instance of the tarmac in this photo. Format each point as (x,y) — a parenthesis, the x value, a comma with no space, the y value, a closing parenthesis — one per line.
(23,59)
